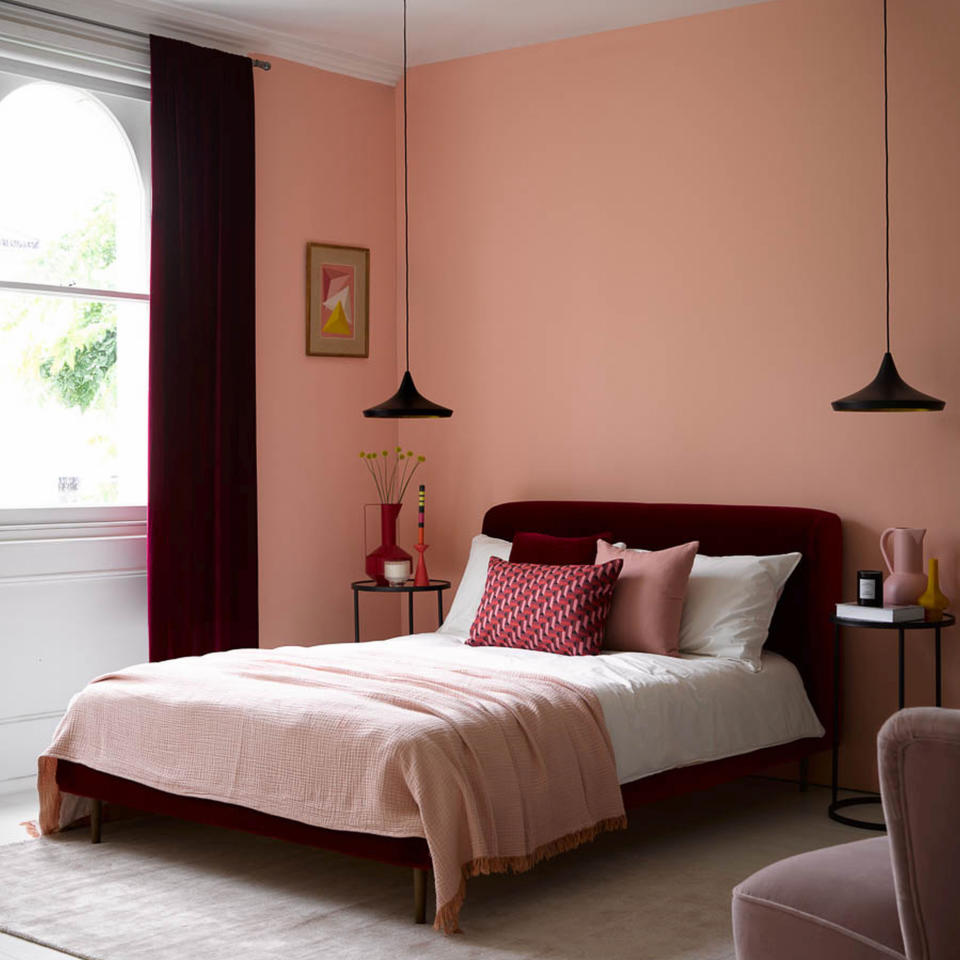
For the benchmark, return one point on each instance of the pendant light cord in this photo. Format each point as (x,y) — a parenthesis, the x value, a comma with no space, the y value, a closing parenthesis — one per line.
(406,200)
(886,166)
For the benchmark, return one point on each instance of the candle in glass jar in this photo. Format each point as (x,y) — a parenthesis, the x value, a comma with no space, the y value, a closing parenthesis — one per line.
(870,588)
(396,572)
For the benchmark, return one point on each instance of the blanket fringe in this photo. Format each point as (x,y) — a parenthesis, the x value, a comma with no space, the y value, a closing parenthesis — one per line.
(49,819)
(448,915)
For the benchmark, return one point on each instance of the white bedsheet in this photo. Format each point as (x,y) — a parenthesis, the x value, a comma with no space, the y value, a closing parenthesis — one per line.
(662,712)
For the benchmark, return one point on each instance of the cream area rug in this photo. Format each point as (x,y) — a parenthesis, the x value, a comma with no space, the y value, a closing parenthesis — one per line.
(159,889)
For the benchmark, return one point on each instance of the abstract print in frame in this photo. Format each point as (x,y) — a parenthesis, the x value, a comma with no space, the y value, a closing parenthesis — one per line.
(338,284)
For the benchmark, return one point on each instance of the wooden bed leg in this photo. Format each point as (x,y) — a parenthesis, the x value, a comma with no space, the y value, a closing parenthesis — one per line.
(419,895)
(804,774)
(96,819)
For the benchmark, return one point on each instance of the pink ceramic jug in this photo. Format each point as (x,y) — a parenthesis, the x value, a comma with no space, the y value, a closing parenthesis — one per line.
(907,579)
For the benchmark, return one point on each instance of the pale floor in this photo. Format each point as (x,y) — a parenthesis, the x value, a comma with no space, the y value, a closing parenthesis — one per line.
(15,808)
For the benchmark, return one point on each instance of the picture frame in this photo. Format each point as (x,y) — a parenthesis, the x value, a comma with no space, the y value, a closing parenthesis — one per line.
(338,294)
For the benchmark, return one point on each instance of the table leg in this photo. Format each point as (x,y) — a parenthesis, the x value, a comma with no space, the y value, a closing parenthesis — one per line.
(440,618)
(410,610)
(833,811)
(836,710)
(900,680)
(356,616)
(937,654)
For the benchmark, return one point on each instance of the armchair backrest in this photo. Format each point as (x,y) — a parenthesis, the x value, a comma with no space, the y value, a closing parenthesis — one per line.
(919,759)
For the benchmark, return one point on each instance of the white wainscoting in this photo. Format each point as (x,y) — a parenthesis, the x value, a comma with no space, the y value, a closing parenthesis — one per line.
(72,607)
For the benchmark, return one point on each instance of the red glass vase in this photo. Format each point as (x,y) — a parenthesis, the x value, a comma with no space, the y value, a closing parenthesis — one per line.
(388,549)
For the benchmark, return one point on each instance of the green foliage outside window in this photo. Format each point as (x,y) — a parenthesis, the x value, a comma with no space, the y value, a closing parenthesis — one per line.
(80,368)
(68,349)
(80,381)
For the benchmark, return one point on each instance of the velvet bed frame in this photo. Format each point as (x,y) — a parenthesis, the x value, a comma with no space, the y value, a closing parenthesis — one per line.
(801,631)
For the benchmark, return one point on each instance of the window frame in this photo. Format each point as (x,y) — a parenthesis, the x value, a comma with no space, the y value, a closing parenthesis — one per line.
(69,521)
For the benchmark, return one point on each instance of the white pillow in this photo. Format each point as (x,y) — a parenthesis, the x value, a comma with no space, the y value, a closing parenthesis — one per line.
(730,602)
(463,610)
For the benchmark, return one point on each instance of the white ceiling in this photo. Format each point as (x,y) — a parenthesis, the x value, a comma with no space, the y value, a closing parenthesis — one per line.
(362,37)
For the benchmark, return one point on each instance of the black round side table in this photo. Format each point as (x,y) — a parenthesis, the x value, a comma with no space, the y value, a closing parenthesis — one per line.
(946,620)
(371,586)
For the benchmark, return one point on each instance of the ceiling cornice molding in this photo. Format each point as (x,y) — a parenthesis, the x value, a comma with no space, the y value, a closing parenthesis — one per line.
(235,36)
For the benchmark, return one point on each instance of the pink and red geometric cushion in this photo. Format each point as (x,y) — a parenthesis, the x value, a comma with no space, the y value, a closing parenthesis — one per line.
(544,548)
(554,609)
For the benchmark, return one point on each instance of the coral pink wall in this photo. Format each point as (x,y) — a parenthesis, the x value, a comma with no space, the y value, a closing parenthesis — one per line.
(645,261)
(326,171)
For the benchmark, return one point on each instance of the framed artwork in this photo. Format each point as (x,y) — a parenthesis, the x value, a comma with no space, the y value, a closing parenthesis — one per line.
(338,288)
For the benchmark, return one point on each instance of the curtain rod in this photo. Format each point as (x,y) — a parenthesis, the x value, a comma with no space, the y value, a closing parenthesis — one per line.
(262,64)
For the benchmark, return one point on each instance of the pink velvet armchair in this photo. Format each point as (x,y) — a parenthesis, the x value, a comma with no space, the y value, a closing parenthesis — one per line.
(896,896)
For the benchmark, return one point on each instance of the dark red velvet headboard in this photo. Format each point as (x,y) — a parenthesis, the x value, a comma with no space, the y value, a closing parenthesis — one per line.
(801,628)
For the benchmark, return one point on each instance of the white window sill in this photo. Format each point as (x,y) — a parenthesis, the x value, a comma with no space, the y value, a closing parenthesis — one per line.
(72,542)
(70,523)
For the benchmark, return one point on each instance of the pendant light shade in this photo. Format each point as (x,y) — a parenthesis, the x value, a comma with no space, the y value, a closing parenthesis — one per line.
(407,402)
(887,392)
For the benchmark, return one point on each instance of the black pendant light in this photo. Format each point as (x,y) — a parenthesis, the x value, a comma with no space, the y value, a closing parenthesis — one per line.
(407,401)
(887,391)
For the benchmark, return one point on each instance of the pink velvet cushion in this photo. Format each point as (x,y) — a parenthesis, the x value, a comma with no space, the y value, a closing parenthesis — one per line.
(648,602)
(554,609)
(838,903)
(543,548)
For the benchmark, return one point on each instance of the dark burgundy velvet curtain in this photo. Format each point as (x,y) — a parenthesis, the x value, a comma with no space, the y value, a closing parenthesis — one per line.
(202,518)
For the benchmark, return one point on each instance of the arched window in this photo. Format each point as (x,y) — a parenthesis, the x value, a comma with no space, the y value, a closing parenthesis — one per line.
(74,223)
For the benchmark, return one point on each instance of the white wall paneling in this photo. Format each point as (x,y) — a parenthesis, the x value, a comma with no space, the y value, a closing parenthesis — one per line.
(71,608)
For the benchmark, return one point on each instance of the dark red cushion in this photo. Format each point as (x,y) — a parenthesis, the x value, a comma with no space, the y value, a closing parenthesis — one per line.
(537,606)
(543,548)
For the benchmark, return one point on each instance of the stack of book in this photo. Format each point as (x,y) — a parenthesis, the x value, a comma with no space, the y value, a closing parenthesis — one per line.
(888,613)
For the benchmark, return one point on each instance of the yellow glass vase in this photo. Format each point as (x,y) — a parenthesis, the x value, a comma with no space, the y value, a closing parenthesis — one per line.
(932,599)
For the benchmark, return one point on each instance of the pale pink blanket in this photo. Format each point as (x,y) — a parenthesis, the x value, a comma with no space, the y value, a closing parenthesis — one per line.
(496,770)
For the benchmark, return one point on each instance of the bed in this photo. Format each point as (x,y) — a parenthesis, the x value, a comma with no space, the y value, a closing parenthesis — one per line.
(799,635)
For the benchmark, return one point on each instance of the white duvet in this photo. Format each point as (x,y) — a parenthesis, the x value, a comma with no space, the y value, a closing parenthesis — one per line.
(662,712)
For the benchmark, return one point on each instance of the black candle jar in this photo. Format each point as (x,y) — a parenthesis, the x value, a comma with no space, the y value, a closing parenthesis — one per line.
(870,588)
